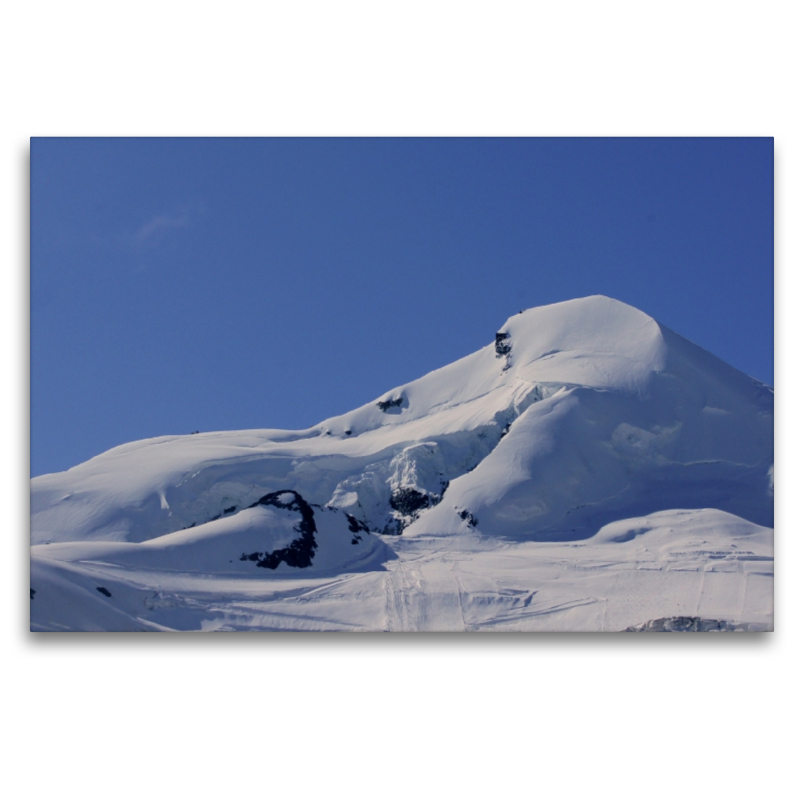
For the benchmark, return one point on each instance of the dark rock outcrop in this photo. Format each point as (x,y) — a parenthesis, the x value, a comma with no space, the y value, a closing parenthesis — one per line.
(407,504)
(385,405)
(682,625)
(502,345)
(300,552)
(471,520)
(355,525)
(408,501)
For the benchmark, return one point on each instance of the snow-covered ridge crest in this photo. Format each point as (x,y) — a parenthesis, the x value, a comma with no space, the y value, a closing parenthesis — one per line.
(594,341)
(586,404)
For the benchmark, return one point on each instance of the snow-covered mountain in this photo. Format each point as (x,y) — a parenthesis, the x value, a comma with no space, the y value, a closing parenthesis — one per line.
(588,459)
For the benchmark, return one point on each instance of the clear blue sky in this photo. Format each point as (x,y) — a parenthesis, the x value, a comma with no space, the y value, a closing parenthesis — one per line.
(216,284)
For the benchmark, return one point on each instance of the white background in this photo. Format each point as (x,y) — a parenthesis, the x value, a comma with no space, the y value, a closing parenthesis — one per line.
(120,716)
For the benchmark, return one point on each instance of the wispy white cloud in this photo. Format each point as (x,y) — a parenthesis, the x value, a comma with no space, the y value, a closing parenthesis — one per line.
(154,231)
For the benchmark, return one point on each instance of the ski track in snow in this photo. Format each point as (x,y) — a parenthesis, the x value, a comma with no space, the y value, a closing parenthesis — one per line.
(523,587)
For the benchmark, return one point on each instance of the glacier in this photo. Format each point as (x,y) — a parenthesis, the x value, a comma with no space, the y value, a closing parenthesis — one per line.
(588,470)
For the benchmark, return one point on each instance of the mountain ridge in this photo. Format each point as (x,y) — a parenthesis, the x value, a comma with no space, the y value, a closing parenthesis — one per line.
(463,410)
(585,430)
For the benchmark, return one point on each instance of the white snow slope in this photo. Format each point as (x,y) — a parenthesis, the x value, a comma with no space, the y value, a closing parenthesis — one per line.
(589,470)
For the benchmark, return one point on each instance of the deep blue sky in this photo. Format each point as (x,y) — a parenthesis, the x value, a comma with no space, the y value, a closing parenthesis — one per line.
(213,284)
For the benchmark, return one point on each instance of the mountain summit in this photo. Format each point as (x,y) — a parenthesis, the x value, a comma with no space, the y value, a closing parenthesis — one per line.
(576,416)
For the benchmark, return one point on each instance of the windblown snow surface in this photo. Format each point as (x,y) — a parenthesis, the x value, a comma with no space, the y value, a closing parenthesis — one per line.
(588,470)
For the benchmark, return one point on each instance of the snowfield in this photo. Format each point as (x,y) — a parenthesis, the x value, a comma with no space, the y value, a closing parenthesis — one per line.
(588,470)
